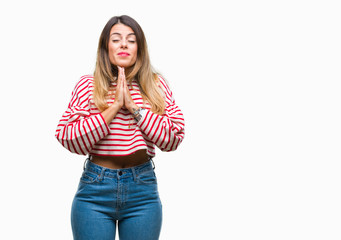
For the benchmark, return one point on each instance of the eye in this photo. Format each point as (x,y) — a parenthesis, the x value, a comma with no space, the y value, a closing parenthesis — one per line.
(115,40)
(131,41)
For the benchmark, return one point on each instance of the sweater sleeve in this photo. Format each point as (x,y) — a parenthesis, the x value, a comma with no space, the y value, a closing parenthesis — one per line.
(78,130)
(165,131)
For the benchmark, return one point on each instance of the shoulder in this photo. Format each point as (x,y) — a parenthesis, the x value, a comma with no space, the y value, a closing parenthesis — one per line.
(83,84)
(85,80)
(164,85)
(161,80)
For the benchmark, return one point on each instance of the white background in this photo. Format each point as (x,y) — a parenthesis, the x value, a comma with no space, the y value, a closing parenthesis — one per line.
(258,83)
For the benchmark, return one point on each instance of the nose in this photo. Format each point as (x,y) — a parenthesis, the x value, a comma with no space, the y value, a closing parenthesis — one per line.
(123,44)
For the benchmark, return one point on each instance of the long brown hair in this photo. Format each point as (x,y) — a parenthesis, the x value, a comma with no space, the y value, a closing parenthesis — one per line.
(142,71)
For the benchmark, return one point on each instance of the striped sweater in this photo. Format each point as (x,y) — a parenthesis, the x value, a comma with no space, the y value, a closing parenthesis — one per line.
(83,130)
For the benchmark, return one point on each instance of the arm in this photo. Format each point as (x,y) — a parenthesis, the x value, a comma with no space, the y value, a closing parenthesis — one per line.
(78,130)
(166,131)
(110,113)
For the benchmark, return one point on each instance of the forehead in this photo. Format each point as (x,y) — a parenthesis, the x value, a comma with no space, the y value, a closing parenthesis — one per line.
(121,29)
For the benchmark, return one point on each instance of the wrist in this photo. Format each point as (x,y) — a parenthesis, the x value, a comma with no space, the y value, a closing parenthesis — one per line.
(132,108)
(138,114)
(116,105)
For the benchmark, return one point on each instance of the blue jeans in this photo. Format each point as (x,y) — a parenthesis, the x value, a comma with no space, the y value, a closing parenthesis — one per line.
(127,197)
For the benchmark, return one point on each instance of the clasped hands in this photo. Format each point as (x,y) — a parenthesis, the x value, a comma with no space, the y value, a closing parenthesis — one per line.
(122,96)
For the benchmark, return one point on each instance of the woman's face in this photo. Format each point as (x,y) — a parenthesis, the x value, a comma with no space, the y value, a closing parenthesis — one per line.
(122,46)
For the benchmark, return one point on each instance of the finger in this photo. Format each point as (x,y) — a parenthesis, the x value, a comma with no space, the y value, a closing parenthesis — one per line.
(123,74)
(124,82)
(127,94)
(122,77)
(118,86)
(119,75)
(126,88)
(119,72)
(120,81)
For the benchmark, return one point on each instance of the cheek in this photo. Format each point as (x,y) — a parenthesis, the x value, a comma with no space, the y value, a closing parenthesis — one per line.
(135,54)
(112,50)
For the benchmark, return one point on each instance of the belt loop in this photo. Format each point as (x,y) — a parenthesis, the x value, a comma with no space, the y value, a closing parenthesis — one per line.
(134,173)
(84,164)
(153,164)
(102,174)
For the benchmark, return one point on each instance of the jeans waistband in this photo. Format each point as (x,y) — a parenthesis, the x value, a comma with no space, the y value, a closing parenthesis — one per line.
(108,172)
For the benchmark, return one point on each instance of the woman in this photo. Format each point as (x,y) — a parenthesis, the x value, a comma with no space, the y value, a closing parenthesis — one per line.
(117,117)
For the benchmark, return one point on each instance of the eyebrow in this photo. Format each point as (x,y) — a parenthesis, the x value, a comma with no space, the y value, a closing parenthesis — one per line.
(130,34)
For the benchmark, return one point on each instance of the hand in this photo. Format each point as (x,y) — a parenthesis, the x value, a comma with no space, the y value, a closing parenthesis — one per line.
(128,100)
(120,89)
(122,95)
(122,98)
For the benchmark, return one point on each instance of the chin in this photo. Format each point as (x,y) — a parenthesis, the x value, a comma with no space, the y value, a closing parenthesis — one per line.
(124,64)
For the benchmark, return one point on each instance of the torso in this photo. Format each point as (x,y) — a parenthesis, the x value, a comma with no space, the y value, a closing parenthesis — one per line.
(120,162)
(124,137)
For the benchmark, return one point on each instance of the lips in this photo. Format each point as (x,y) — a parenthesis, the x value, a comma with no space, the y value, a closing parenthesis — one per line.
(123,54)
